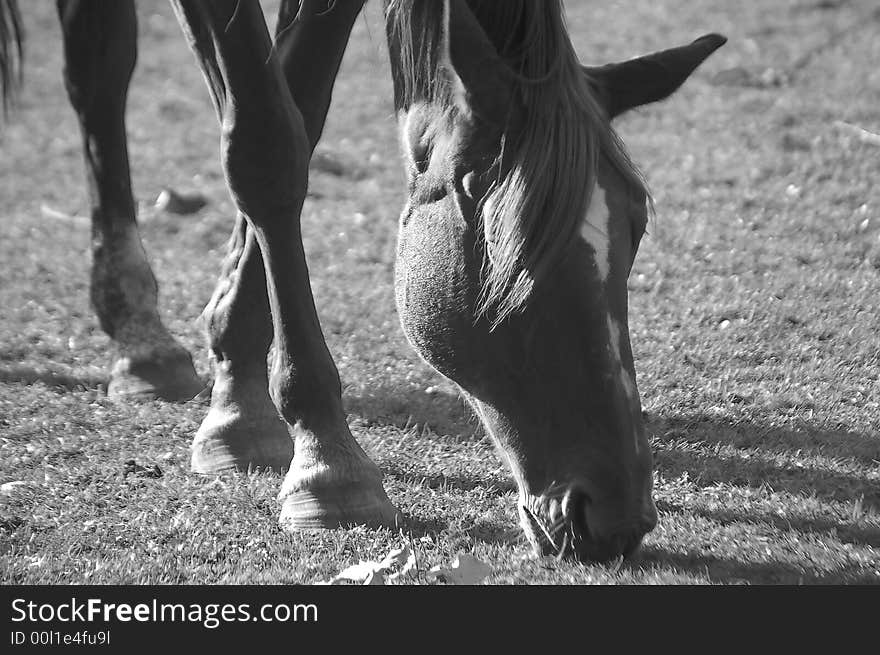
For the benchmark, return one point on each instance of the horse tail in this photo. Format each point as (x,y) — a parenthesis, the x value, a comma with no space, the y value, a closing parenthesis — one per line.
(11,51)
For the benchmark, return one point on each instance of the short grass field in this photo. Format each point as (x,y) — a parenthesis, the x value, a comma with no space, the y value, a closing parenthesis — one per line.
(754,305)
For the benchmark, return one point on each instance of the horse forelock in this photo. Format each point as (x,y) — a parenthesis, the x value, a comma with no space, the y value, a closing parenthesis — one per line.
(546,166)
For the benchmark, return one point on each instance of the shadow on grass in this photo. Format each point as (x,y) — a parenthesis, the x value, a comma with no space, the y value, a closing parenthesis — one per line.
(56,379)
(407,407)
(843,532)
(442,482)
(754,455)
(731,571)
(488,532)
(808,440)
(693,445)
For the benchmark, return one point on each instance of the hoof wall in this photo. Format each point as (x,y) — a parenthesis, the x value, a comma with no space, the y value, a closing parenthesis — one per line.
(174,380)
(339,506)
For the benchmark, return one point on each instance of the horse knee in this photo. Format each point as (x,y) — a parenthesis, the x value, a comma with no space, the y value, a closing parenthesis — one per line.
(265,157)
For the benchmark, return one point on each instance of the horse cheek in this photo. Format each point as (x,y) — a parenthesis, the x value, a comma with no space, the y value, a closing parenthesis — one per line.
(436,288)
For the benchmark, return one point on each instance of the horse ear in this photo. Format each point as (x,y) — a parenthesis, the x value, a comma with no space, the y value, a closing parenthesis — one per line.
(625,85)
(481,82)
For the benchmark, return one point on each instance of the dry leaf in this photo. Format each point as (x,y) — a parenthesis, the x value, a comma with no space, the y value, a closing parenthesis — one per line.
(465,570)
(374,573)
(360,573)
(404,558)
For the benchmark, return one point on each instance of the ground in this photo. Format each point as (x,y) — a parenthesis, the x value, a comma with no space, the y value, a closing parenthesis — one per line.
(754,307)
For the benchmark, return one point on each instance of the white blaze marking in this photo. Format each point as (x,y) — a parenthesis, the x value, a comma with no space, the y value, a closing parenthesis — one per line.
(595,231)
(626,380)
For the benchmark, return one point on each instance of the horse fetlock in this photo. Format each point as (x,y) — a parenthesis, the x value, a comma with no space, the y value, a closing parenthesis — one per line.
(242,337)
(122,282)
(331,481)
(305,392)
(236,321)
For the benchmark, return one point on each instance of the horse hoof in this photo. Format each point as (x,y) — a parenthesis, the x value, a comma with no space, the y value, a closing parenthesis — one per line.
(358,503)
(169,378)
(225,442)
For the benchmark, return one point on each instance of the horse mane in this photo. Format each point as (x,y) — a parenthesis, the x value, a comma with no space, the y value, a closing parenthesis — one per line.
(547,168)
(11,41)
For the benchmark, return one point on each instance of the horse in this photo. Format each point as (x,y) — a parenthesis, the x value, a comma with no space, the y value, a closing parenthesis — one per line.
(523,219)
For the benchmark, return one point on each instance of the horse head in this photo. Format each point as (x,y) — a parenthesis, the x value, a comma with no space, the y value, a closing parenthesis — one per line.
(524,217)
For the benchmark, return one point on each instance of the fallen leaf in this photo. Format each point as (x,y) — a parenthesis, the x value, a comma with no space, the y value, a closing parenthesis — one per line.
(465,570)
(376,573)
(362,573)
(403,558)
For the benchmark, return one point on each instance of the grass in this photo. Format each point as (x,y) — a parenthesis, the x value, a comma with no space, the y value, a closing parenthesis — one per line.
(754,305)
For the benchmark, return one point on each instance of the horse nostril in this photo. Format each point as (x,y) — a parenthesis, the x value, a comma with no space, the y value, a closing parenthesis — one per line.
(595,540)
(576,506)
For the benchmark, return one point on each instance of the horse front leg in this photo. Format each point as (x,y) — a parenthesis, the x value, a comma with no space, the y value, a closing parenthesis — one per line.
(265,153)
(99,54)
(242,429)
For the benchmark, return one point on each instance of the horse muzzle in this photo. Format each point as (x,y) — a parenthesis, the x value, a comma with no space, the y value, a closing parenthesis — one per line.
(568,524)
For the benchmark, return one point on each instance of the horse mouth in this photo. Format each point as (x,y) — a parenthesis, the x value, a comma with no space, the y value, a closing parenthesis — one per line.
(557,525)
